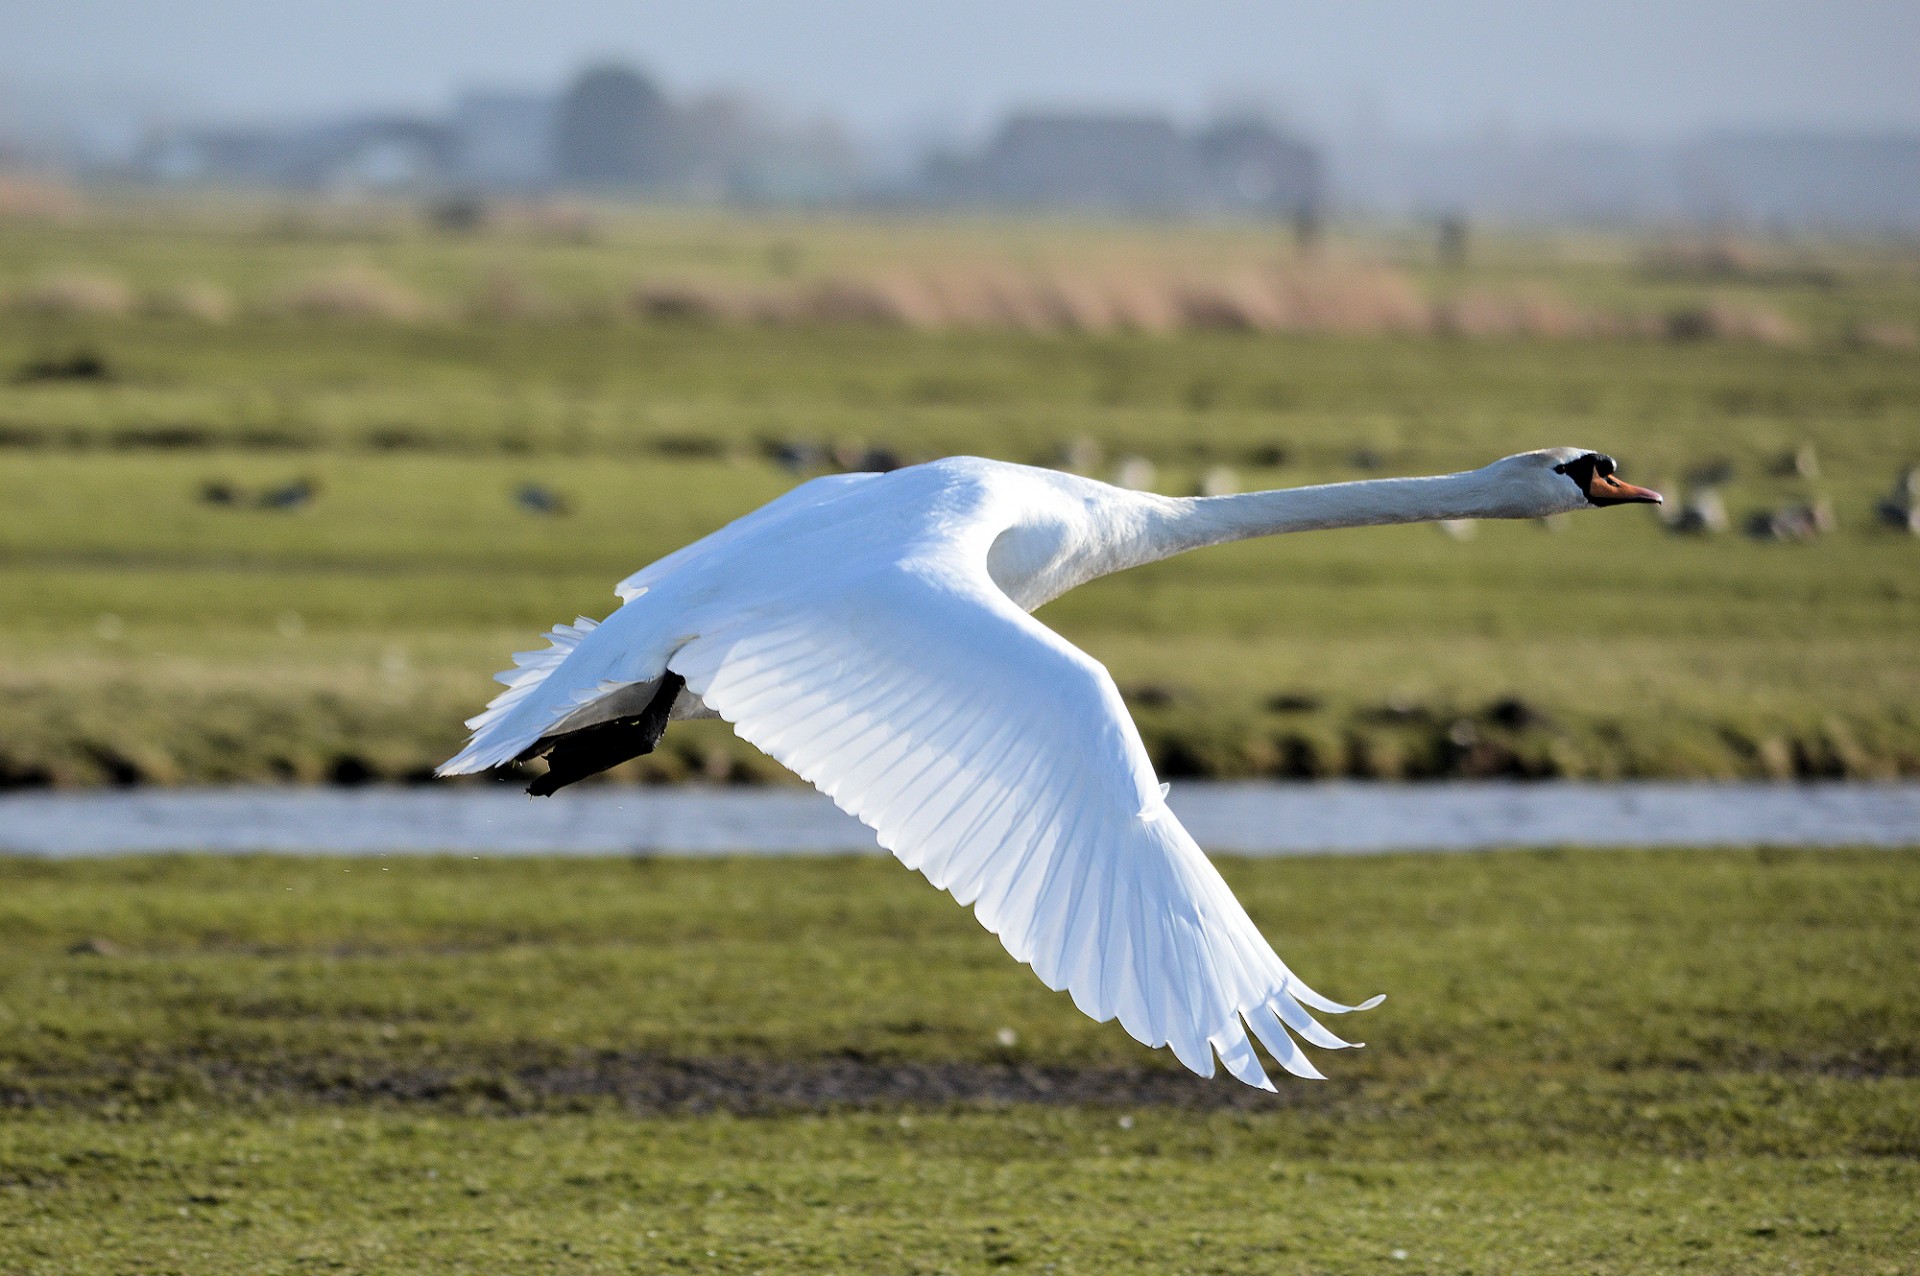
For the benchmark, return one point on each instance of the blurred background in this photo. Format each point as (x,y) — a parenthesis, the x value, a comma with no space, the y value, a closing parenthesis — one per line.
(345,349)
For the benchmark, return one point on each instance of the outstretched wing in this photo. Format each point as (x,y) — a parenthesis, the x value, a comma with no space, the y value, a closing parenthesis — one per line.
(998,760)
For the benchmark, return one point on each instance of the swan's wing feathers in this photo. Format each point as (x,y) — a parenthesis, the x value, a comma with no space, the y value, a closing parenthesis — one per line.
(587,660)
(999,760)
(795,501)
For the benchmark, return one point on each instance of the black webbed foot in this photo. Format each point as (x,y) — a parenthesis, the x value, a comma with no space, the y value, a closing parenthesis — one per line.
(590,750)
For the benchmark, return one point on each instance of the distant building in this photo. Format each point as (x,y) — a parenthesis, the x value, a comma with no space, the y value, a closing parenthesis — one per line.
(216,156)
(505,141)
(611,132)
(1249,167)
(1133,164)
(1115,163)
(616,130)
(382,153)
(389,154)
(732,153)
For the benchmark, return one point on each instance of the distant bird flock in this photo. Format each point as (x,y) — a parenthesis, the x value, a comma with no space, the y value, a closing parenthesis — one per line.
(1699,507)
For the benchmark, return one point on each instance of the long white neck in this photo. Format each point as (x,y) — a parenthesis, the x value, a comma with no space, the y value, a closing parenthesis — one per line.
(1038,561)
(1177,525)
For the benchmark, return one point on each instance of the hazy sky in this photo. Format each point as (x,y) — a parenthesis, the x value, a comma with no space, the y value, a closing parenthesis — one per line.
(1634,68)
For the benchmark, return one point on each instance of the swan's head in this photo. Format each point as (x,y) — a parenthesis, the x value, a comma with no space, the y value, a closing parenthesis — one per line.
(1559,479)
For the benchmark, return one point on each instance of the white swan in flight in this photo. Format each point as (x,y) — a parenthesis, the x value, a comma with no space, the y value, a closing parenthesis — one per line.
(871,632)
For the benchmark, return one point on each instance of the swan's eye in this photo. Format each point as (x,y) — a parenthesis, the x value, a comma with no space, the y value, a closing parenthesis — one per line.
(1581,469)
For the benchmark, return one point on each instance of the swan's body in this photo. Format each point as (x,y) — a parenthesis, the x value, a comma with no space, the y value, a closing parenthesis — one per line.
(870,631)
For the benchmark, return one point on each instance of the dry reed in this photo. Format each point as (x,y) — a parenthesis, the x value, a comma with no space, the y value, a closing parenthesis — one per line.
(36,197)
(197,299)
(1482,313)
(1309,296)
(1724,320)
(690,302)
(510,298)
(76,292)
(1884,334)
(351,291)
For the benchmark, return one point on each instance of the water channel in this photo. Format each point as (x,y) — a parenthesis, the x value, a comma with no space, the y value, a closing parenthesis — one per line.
(1232,818)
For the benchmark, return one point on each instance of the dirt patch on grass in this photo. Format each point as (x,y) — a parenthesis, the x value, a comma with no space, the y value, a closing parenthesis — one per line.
(528,1081)
(744,1085)
(648,1084)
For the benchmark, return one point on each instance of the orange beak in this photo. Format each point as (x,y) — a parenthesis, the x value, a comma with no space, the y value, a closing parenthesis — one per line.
(1605,489)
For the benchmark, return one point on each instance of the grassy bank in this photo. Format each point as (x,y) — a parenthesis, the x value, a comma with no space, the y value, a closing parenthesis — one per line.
(163,619)
(1018,1190)
(152,636)
(1626,1060)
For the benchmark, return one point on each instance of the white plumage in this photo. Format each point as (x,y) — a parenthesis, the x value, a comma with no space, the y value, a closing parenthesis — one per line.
(871,633)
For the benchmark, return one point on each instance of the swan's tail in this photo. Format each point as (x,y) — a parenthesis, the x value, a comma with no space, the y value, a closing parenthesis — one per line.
(543,687)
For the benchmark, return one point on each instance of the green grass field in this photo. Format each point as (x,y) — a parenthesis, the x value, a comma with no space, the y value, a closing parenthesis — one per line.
(1587,1061)
(152,636)
(1646,1061)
